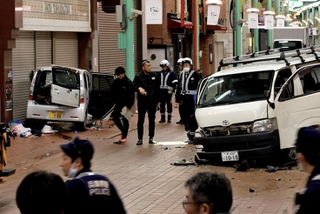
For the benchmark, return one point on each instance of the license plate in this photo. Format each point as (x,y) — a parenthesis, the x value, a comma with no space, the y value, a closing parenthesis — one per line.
(55,114)
(230,156)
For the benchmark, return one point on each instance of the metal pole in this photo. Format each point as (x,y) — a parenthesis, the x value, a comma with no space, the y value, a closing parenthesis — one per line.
(195,35)
(278,7)
(237,27)
(313,20)
(129,37)
(318,23)
(287,13)
(270,32)
(255,31)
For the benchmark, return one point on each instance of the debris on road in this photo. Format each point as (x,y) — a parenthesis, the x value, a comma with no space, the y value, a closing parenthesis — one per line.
(183,162)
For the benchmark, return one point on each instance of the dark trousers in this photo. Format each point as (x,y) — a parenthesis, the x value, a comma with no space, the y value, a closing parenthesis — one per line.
(187,106)
(122,125)
(144,108)
(166,101)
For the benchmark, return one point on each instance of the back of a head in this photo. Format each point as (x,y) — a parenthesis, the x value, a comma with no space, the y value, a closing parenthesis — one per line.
(211,187)
(41,192)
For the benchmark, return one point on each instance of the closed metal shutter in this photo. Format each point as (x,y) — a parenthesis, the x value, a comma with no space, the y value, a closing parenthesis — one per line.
(23,61)
(43,49)
(135,3)
(66,49)
(110,56)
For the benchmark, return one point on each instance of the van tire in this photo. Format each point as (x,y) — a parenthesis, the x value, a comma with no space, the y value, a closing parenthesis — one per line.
(80,126)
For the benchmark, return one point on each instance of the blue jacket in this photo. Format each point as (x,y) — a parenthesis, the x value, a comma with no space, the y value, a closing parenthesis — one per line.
(92,193)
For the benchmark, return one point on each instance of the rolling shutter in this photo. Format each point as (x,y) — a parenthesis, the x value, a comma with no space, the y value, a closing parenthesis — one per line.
(43,49)
(22,63)
(110,56)
(66,47)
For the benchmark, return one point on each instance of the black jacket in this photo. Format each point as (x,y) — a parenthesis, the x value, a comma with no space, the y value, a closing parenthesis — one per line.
(194,80)
(92,194)
(150,83)
(122,92)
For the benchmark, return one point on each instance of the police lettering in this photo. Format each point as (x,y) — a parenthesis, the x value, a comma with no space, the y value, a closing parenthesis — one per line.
(99,187)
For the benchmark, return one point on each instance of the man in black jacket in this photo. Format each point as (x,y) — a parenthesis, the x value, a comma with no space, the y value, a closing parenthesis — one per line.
(146,83)
(168,82)
(88,192)
(123,96)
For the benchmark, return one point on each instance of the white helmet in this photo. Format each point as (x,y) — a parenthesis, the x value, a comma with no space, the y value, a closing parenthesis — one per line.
(179,62)
(164,62)
(187,60)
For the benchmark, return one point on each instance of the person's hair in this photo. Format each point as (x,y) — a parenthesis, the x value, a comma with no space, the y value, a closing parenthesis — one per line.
(119,70)
(143,62)
(211,188)
(41,192)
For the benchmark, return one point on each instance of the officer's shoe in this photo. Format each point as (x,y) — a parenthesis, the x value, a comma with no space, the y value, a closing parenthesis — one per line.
(169,119)
(179,122)
(139,142)
(151,141)
(163,120)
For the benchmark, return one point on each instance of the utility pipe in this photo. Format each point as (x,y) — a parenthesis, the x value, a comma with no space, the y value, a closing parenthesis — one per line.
(195,41)
(255,31)
(129,37)
(270,31)
(237,26)
(313,25)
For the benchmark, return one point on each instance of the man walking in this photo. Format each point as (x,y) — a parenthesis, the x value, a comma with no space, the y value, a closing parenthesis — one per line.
(168,82)
(146,83)
(88,192)
(123,96)
(186,92)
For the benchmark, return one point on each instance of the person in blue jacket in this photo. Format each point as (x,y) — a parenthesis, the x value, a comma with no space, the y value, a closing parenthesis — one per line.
(88,192)
(308,156)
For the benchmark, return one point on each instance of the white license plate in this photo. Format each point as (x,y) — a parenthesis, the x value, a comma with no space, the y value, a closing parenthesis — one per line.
(230,156)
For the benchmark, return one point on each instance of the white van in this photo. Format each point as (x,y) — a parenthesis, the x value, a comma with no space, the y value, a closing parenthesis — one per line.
(67,94)
(254,110)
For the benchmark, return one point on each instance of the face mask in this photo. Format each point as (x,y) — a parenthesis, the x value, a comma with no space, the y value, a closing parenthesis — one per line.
(72,171)
(186,69)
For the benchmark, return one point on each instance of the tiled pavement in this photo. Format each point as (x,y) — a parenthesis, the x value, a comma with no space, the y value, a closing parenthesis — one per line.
(144,176)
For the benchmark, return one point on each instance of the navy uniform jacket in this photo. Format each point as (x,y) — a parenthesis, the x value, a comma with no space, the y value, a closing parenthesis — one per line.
(150,83)
(187,85)
(310,198)
(122,92)
(168,80)
(92,194)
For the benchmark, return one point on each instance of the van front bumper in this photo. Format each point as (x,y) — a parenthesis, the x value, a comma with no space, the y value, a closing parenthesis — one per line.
(248,146)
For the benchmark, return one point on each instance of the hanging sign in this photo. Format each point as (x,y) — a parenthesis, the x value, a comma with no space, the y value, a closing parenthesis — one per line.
(268,21)
(213,14)
(253,21)
(153,12)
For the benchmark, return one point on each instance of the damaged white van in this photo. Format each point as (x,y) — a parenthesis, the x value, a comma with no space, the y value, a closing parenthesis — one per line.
(254,110)
(66,94)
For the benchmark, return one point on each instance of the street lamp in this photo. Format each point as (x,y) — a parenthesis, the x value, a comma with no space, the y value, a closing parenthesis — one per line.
(268,19)
(253,20)
(213,11)
(280,20)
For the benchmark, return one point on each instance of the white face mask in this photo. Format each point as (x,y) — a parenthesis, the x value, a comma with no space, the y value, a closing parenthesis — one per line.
(186,69)
(72,171)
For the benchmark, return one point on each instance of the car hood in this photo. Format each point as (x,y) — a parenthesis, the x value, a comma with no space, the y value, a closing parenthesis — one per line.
(225,115)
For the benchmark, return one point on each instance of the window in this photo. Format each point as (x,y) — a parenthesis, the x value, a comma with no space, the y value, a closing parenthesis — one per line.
(66,78)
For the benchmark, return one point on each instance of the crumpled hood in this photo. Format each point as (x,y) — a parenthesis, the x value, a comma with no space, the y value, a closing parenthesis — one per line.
(225,115)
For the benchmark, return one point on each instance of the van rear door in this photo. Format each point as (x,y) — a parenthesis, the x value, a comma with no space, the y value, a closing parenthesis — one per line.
(65,88)
(101,103)
(298,103)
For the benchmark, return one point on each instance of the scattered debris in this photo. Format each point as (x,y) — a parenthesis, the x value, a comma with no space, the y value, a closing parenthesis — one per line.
(286,166)
(183,162)
(243,166)
(166,148)
(251,190)
(278,179)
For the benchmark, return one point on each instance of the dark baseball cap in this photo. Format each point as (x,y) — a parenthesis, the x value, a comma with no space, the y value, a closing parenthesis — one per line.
(76,148)
(308,142)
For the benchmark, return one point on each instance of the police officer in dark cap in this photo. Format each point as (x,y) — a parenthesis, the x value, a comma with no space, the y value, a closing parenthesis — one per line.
(88,192)
(308,156)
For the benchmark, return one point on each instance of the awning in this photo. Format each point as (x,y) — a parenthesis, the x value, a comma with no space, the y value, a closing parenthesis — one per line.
(176,24)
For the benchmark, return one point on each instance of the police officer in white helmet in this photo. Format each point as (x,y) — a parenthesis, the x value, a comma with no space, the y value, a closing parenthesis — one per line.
(180,69)
(168,82)
(186,92)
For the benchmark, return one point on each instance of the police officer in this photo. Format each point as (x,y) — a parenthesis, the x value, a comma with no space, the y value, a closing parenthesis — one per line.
(168,82)
(179,70)
(308,155)
(186,92)
(147,84)
(88,192)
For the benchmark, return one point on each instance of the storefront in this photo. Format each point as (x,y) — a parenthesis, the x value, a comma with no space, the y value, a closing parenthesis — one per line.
(49,35)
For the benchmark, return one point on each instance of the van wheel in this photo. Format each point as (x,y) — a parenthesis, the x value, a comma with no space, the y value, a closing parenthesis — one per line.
(81,126)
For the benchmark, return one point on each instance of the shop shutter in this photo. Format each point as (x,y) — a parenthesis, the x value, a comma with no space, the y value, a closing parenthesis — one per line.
(66,49)
(43,49)
(23,61)
(110,56)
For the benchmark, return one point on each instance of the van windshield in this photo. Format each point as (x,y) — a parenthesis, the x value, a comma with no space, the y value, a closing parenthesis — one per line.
(245,87)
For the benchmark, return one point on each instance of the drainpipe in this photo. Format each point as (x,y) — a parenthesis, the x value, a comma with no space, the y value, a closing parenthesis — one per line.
(313,25)
(255,31)
(129,38)
(270,32)
(195,40)
(237,28)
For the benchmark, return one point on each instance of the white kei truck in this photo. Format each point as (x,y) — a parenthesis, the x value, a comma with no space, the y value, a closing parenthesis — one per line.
(254,109)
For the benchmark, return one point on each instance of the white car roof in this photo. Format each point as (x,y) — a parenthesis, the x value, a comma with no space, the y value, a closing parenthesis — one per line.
(50,68)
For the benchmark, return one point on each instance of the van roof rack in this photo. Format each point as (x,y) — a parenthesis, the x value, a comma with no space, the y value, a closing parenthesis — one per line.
(270,54)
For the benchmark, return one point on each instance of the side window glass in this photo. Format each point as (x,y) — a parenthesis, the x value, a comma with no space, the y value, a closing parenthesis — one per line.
(281,78)
(310,79)
(66,78)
